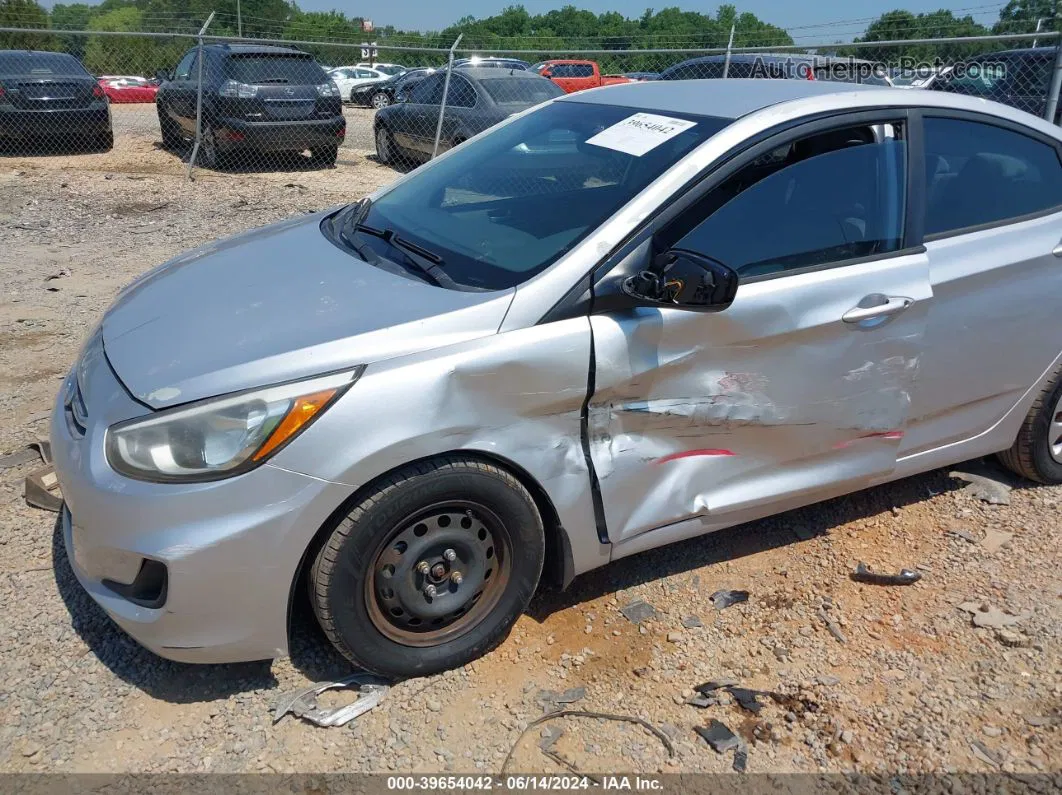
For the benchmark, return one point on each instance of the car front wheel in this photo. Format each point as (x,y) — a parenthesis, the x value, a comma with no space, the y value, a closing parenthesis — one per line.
(431,569)
(385,146)
(380,100)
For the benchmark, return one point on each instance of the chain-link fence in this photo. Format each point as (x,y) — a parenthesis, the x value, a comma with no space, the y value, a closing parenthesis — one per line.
(237,104)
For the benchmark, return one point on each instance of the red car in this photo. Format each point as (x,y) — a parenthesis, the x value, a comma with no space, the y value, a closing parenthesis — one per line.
(123,89)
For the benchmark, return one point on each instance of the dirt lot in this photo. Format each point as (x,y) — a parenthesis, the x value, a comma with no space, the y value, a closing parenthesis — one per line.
(913,686)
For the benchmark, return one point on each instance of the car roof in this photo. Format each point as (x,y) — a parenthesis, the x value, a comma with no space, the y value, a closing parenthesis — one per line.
(494,73)
(1026,52)
(738,97)
(728,99)
(255,49)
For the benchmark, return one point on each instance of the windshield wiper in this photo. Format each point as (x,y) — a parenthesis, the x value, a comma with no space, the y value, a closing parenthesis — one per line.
(424,260)
(349,227)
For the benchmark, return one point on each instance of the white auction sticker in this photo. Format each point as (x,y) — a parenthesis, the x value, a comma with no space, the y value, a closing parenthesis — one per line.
(640,133)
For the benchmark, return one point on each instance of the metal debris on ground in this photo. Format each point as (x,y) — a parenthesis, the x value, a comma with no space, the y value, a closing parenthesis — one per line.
(984,753)
(303,703)
(551,700)
(747,699)
(692,622)
(984,487)
(575,713)
(721,740)
(715,684)
(638,611)
(965,535)
(832,627)
(721,600)
(864,575)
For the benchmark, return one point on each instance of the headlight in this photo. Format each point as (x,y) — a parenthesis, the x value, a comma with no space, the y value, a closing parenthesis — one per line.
(221,437)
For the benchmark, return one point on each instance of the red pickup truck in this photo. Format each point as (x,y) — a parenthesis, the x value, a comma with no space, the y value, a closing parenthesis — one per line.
(575,76)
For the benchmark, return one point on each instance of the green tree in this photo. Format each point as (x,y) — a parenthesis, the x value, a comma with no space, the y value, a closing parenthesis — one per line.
(132,55)
(1021,16)
(903,25)
(24,14)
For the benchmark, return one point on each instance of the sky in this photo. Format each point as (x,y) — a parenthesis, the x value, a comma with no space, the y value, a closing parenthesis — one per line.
(435,15)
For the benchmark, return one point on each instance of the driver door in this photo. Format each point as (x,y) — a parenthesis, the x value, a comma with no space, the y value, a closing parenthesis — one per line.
(800,389)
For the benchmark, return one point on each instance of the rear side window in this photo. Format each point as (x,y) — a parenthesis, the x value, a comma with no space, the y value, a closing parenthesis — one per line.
(787,210)
(461,95)
(280,69)
(521,91)
(979,174)
(43,64)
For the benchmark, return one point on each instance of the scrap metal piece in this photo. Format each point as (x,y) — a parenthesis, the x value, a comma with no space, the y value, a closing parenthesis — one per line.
(831,625)
(43,448)
(551,700)
(715,684)
(692,622)
(304,702)
(984,487)
(724,599)
(985,754)
(747,699)
(41,490)
(638,611)
(721,740)
(864,575)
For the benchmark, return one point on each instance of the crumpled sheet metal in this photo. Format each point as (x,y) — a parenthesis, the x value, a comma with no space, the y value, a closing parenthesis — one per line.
(303,703)
(700,418)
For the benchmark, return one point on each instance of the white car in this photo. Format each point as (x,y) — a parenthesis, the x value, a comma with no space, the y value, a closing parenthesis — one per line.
(391,69)
(347,78)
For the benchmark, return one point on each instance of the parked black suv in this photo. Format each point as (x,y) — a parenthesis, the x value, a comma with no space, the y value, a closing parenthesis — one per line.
(48,101)
(1019,78)
(255,99)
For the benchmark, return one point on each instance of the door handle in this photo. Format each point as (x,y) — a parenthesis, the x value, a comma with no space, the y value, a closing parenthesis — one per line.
(892,305)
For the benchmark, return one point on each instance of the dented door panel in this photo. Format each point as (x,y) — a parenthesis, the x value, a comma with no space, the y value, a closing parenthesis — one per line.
(711,414)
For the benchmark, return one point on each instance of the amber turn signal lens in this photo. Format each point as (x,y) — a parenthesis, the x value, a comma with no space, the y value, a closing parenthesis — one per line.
(302,411)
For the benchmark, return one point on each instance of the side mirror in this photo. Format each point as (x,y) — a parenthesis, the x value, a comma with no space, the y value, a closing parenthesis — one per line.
(681,279)
(546,73)
(163,75)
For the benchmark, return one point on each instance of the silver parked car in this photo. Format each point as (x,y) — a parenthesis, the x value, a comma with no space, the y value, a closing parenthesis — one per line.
(620,319)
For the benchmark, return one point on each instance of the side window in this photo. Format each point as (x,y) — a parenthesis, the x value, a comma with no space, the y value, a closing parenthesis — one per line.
(428,91)
(363,74)
(184,68)
(561,70)
(582,70)
(462,94)
(981,174)
(789,210)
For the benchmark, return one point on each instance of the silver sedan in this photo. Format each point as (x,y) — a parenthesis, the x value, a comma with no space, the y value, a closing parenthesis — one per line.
(622,318)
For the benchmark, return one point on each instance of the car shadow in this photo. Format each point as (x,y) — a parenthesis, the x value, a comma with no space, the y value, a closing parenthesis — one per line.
(36,148)
(251,162)
(314,657)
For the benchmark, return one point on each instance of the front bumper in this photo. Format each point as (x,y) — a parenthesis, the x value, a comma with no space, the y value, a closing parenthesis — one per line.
(231,548)
(281,136)
(54,125)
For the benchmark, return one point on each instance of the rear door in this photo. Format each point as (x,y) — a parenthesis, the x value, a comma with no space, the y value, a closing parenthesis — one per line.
(420,115)
(800,389)
(993,227)
(272,87)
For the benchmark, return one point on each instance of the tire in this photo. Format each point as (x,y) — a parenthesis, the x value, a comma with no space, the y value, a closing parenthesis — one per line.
(368,568)
(171,133)
(1037,452)
(386,149)
(325,158)
(104,142)
(208,156)
(379,100)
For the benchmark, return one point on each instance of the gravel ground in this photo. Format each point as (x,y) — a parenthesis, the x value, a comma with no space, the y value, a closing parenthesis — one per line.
(915,686)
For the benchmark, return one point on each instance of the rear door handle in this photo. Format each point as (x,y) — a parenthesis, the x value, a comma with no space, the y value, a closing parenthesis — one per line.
(892,305)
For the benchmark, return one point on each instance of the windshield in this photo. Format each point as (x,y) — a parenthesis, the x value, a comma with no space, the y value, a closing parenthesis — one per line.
(39,64)
(520,90)
(390,70)
(502,208)
(285,69)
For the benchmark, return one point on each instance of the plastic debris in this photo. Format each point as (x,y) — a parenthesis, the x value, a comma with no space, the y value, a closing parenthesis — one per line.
(715,684)
(551,700)
(304,702)
(984,753)
(638,611)
(18,458)
(41,490)
(721,600)
(864,575)
(832,627)
(984,487)
(721,740)
(692,622)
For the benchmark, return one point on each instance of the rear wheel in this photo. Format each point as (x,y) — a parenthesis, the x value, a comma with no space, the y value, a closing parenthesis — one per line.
(1037,452)
(380,100)
(171,133)
(208,148)
(104,142)
(385,146)
(431,569)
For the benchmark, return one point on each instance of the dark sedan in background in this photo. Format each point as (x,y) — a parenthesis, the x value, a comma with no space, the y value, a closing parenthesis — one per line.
(478,98)
(48,101)
(380,95)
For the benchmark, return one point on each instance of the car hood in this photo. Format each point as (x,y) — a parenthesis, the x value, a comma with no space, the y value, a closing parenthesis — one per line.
(273,305)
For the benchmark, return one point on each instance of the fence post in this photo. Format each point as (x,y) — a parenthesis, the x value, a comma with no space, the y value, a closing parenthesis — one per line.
(446,92)
(199,98)
(1056,82)
(729,47)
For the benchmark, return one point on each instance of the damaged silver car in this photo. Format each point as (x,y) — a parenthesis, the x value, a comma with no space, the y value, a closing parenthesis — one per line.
(620,319)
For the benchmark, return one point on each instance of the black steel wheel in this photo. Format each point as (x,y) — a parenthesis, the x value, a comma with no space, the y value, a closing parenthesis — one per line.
(431,569)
